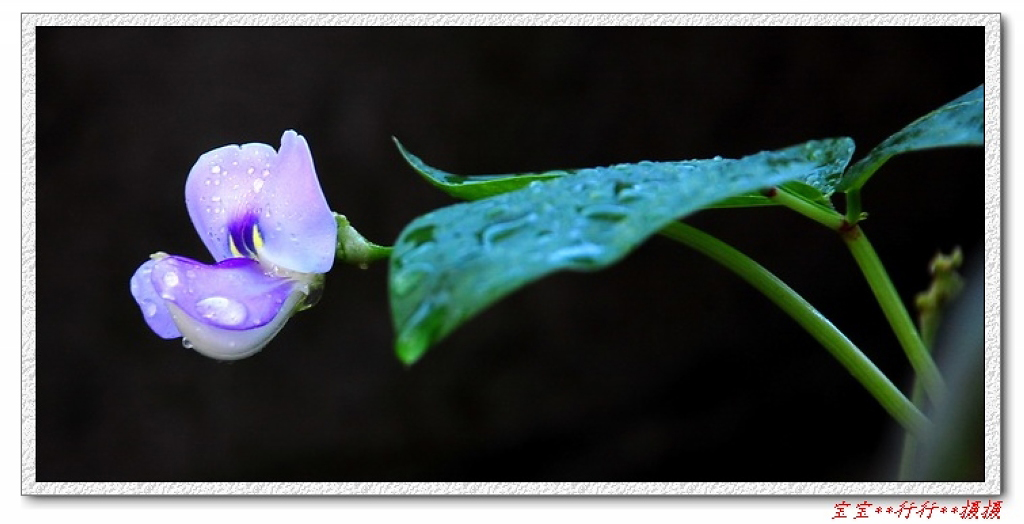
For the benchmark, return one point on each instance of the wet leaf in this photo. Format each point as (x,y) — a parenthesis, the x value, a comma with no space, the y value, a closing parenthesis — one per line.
(817,185)
(958,123)
(451,263)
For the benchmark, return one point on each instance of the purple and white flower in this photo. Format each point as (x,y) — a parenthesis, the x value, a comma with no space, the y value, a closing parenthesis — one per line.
(265,220)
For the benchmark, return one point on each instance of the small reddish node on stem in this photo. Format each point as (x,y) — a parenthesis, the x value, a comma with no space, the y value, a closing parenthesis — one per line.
(849,231)
(770,192)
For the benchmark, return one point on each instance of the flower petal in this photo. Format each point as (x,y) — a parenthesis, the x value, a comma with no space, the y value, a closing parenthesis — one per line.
(154,310)
(251,196)
(227,311)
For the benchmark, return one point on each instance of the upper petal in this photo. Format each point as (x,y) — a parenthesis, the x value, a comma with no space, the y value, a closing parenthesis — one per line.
(233,189)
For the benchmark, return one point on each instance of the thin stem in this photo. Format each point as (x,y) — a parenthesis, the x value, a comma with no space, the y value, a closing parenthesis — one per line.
(821,214)
(884,391)
(869,263)
(895,312)
(853,207)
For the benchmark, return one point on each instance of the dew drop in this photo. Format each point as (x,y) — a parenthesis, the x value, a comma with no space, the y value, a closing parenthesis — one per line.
(186,343)
(494,212)
(251,170)
(216,182)
(170,279)
(257,185)
(215,169)
(498,232)
(215,198)
(149,308)
(222,310)
(606,213)
(266,173)
(421,235)
(580,255)
(410,277)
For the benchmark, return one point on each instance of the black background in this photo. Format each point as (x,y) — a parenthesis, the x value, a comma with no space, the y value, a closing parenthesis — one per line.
(665,367)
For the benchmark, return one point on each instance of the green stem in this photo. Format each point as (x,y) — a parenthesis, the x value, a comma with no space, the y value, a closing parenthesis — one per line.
(354,248)
(877,278)
(821,214)
(887,394)
(853,207)
(895,312)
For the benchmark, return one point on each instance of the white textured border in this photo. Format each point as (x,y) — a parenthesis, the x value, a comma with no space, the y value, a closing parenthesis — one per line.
(993,238)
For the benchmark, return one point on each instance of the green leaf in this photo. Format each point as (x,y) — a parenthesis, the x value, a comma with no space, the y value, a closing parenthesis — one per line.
(816,186)
(477,186)
(451,263)
(958,123)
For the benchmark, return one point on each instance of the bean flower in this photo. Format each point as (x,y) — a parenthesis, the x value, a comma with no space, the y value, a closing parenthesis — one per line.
(264,218)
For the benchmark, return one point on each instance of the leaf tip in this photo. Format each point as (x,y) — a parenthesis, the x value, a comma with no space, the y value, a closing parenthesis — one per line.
(410,347)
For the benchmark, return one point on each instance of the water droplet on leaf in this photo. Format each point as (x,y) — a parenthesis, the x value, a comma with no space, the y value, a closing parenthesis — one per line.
(611,213)
(409,277)
(579,255)
(502,230)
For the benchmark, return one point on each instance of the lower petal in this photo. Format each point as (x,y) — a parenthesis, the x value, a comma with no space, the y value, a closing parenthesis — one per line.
(227,311)
(154,310)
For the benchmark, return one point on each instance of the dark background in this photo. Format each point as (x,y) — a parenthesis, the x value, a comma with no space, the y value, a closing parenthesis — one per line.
(665,367)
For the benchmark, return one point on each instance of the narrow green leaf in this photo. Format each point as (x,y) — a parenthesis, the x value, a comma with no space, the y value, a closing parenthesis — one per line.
(958,123)
(816,186)
(477,186)
(451,263)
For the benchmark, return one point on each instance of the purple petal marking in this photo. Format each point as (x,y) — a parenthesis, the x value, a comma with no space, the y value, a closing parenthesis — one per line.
(154,310)
(234,188)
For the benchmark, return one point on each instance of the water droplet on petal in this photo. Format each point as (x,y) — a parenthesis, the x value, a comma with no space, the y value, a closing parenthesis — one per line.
(186,343)
(257,185)
(170,279)
(149,308)
(251,170)
(215,169)
(215,198)
(222,310)
(266,173)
